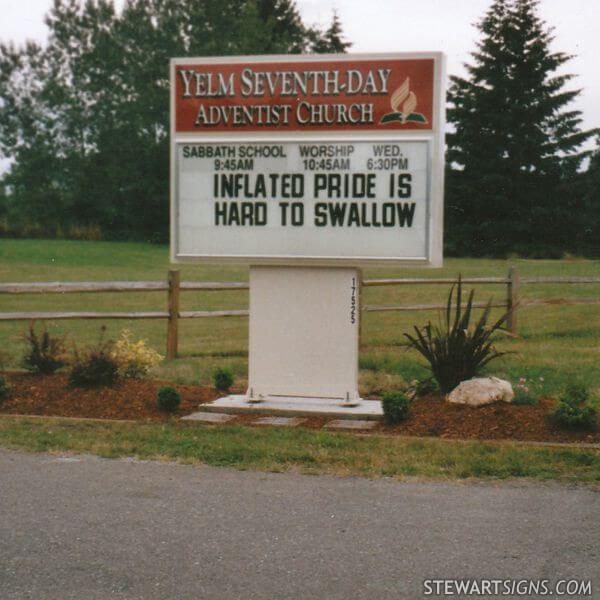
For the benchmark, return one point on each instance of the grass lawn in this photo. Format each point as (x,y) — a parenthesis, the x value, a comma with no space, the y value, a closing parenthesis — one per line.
(312,452)
(558,343)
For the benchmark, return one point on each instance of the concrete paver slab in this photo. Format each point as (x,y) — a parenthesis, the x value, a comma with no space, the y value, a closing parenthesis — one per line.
(208,417)
(350,424)
(279,421)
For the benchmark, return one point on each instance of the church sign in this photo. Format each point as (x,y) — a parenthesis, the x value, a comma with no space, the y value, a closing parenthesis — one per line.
(307,160)
(306,168)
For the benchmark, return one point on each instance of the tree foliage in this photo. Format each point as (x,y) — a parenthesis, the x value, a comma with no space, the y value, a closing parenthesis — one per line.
(587,192)
(516,145)
(332,40)
(84,118)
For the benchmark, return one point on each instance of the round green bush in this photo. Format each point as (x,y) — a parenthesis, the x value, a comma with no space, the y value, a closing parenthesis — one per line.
(223,379)
(168,399)
(4,390)
(396,407)
(572,410)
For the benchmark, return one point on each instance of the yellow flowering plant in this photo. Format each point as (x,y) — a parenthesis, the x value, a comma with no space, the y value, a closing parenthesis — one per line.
(135,358)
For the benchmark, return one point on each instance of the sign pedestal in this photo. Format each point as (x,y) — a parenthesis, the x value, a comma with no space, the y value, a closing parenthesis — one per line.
(304,326)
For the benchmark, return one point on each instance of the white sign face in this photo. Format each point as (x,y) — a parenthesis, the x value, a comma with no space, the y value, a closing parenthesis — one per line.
(303,200)
(320,160)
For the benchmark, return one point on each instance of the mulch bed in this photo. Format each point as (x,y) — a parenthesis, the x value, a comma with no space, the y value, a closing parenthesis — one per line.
(136,399)
(51,395)
(433,416)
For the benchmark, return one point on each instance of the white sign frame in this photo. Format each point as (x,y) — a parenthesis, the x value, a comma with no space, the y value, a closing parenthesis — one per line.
(435,139)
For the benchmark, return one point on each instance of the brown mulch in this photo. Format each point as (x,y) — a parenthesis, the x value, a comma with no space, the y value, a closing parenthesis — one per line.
(51,395)
(136,399)
(433,416)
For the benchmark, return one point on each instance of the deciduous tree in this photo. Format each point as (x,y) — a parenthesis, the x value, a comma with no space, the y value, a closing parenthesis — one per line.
(84,119)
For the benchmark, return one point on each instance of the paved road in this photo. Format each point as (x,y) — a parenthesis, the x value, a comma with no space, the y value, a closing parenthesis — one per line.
(89,528)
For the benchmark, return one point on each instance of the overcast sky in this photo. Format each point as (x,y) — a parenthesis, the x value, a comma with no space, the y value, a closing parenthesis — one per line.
(407,25)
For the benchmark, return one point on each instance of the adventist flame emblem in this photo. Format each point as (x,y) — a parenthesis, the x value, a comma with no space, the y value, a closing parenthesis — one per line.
(403,103)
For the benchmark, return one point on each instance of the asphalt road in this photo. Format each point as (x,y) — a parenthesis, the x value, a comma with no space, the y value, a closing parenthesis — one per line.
(89,528)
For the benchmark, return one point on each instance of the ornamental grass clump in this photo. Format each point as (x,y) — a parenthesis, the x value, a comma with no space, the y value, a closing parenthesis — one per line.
(134,358)
(455,349)
(45,353)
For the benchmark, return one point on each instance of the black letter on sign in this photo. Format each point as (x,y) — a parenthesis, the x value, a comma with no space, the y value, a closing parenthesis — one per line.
(404,185)
(283,207)
(320,214)
(406,212)
(220,213)
(297,214)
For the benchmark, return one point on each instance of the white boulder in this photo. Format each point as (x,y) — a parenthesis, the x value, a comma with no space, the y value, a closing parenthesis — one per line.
(481,391)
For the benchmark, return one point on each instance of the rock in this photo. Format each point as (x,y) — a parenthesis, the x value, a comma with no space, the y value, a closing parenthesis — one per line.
(481,391)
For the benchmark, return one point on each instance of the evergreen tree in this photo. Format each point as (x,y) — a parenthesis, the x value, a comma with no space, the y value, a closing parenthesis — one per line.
(85,120)
(287,32)
(516,145)
(587,234)
(332,40)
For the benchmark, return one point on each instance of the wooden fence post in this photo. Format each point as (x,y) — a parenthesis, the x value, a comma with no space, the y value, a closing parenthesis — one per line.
(512,298)
(173,308)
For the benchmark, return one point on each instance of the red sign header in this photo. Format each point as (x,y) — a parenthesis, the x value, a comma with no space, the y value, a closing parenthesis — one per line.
(342,95)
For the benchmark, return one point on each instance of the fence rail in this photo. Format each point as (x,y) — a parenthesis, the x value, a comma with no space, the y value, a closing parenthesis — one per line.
(174,286)
(83,287)
(385,308)
(425,281)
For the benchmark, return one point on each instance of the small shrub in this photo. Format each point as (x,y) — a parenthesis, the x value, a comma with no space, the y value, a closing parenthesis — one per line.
(527,393)
(418,389)
(396,407)
(455,350)
(4,390)
(223,379)
(95,366)
(576,393)
(525,399)
(45,353)
(135,359)
(572,410)
(168,399)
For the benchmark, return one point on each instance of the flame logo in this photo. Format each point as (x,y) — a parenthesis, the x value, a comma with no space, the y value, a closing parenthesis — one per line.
(403,102)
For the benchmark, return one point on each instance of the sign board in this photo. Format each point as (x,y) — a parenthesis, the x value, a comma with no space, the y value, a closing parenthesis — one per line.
(320,160)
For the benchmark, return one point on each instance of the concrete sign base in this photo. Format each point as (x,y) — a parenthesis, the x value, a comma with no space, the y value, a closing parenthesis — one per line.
(304,325)
(369,410)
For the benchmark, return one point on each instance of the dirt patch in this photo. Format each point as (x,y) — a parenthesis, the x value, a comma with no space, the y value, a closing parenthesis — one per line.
(136,399)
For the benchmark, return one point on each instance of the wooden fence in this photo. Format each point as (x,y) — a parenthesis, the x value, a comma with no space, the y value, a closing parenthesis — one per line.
(174,286)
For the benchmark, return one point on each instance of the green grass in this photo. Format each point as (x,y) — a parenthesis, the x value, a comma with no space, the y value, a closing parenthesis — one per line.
(558,343)
(300,450)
